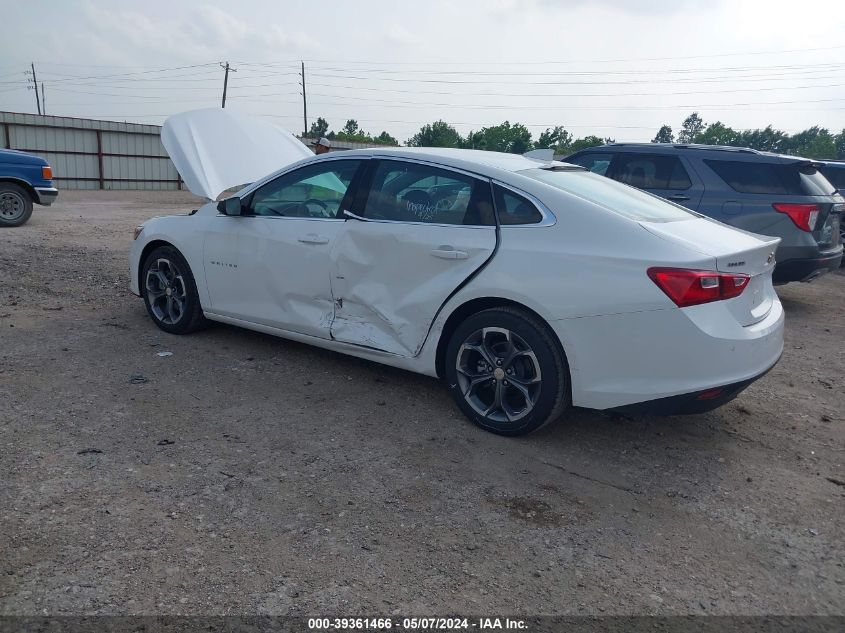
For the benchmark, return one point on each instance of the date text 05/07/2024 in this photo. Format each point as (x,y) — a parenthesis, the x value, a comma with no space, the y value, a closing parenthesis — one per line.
(416,624)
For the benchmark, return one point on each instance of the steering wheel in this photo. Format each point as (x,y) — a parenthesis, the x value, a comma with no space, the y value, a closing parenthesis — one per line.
(445,201)
(324,209)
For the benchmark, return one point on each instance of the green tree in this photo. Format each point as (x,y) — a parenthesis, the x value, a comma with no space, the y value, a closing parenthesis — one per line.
(351,128)
(765,140)
(385,139)
(664,135)
(320,128)
(692,127)
(437,134)
(588,141)
(839,140)
(814,142)
(556,138)
(515,139)
(717,134)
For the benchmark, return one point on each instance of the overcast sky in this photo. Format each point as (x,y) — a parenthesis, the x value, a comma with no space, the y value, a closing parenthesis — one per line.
(617,68)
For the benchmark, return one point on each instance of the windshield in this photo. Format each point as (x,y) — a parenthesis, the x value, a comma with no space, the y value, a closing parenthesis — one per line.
(622,199)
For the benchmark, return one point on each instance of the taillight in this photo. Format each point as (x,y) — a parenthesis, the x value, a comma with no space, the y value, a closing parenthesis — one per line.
(47,172)
(804,215)
(693,287)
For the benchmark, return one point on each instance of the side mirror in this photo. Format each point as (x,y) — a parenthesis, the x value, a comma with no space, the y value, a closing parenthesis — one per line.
(230,206)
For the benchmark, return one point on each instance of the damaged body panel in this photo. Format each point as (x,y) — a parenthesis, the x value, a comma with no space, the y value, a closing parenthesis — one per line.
(274,271)
(390,279)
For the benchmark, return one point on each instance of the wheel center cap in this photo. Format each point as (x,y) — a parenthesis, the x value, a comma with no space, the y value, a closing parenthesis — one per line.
(168,291)
(499,373)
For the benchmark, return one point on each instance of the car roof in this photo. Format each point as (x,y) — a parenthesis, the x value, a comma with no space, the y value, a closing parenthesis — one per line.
(474,160)
(672,148)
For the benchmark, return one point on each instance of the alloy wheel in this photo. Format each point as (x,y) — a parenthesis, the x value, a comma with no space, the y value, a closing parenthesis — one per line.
(498,374)
(166,291)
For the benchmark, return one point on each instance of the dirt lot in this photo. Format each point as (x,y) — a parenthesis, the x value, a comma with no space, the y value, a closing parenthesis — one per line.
(246,474)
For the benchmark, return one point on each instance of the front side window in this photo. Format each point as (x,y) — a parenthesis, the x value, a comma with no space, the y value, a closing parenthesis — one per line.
(315,191)
(411,192)
(596,162)
(648,171)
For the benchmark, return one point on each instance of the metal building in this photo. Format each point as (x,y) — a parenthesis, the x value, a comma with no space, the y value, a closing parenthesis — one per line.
(92,154)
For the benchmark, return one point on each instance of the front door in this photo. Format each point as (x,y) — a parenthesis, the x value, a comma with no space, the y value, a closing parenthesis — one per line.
(423,230)
(271,266)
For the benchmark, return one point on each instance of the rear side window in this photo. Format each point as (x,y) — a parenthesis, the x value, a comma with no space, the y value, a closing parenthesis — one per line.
(836,175)
(412,192)
(514,209)
(650,171)
(792,179)
(597,163)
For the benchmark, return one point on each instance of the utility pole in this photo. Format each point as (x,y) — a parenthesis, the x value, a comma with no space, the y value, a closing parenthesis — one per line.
(227,68)
(35,85)
(304,105)
(43,99)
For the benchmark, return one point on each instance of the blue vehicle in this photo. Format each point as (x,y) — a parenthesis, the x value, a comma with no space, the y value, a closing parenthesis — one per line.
(24,179)
(769,194)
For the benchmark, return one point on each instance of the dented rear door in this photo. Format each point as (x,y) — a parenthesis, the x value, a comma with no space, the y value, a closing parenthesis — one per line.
(421,232)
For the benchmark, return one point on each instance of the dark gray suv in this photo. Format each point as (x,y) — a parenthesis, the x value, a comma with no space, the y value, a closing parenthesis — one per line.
(770,194)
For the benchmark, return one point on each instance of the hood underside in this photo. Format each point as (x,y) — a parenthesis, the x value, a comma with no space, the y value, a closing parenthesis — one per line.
(215,149)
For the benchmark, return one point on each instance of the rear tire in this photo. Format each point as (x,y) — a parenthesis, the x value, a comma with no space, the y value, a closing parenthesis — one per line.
(170,292)
(507,372)
(15,205)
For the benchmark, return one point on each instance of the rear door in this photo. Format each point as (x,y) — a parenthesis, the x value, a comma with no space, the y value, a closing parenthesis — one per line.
(418,232)
(663,175)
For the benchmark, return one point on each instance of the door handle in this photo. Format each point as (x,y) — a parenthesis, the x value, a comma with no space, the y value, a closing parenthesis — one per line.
(314,239)
(447,252)
(678,196)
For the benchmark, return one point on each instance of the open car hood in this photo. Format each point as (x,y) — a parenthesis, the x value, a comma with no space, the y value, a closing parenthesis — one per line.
(215,149)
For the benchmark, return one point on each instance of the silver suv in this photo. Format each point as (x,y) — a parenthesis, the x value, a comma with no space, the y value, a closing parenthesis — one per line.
(760,192)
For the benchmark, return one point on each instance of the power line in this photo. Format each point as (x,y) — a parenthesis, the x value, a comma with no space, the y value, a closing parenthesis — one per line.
(569,61)
(547,95)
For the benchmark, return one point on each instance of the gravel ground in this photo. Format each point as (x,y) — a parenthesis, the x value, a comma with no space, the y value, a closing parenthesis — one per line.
(247,474)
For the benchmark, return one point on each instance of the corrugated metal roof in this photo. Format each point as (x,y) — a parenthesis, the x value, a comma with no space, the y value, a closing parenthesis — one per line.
(21,118)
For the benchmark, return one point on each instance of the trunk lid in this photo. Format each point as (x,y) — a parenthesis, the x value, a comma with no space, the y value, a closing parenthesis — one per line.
(215,149)
(734,251)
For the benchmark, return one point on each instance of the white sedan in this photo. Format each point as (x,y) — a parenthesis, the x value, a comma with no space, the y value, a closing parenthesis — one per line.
(527,286)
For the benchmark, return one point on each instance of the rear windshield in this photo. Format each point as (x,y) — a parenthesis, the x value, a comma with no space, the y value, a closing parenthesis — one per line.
(793,179)
(622,199)
(836,175)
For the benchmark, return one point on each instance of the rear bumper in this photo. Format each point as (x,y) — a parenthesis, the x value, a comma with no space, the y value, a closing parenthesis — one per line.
(627,359)
(806,269)
(46,195)
(691,403)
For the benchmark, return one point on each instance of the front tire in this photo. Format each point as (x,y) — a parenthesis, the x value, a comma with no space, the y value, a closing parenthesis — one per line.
(15,205)
(170,292)
(507,372)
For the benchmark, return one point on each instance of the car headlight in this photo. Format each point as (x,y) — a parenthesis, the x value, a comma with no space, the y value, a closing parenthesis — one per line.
(137,232)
